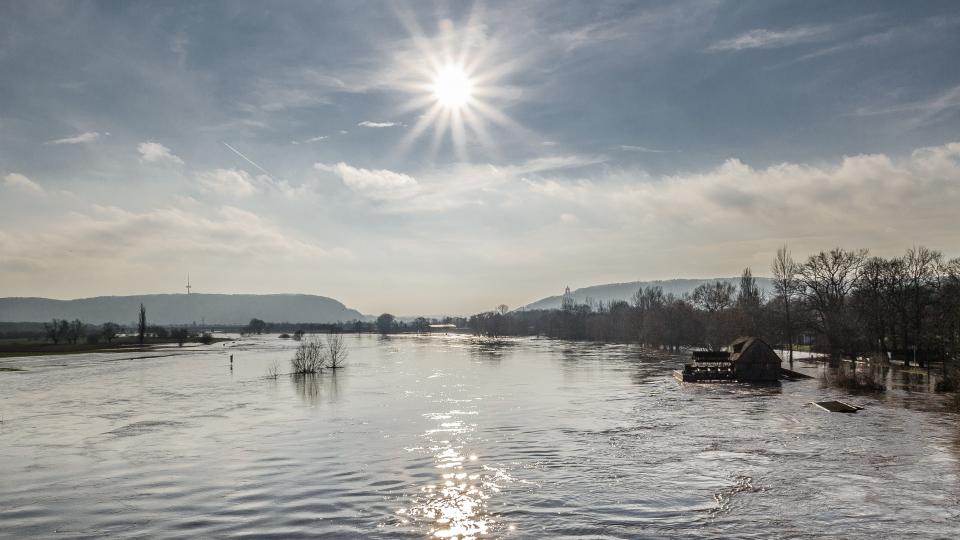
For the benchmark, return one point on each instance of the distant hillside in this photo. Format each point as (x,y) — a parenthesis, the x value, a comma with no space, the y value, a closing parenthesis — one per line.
(181,308)
(625,291)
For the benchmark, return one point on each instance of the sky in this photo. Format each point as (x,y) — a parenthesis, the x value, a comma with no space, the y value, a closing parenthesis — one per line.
(445,158)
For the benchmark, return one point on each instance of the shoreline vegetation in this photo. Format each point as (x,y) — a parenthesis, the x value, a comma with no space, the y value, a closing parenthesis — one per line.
(839,304)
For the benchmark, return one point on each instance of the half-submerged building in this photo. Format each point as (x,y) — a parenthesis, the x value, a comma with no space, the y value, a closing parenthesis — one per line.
(747,359)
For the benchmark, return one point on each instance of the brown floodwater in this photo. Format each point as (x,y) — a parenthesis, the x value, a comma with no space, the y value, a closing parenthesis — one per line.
(443,436)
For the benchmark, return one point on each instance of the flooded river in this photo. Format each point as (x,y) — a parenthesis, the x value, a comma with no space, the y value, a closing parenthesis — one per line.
(446,437)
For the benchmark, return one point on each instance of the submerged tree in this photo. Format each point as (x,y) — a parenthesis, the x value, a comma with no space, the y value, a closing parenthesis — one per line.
(336,351)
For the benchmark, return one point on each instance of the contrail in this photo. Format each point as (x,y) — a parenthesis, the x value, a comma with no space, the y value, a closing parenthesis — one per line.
(248,160)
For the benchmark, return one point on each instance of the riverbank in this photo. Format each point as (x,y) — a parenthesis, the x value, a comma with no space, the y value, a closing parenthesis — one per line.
(21,347)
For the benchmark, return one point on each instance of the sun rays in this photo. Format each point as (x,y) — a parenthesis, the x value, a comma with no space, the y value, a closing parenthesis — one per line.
(456,80)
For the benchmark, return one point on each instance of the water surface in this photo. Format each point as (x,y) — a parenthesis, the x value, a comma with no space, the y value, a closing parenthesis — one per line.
(443,436)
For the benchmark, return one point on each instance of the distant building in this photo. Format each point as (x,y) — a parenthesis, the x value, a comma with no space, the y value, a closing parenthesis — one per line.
(442,327)
(567,302)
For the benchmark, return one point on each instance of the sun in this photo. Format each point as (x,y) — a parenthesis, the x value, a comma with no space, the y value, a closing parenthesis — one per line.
(456,82)
(452,87)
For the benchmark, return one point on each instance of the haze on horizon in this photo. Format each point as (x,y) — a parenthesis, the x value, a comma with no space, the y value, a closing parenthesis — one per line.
(445,158)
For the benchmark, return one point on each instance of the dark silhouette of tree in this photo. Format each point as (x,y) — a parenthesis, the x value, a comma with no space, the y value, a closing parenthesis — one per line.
(256,326)
(828,278)
(180,335)
(385,323)
(142,324)
(56,330)
(109,331)
(786,286)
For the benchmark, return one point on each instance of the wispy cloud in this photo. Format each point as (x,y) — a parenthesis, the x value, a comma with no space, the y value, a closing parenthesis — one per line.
(20,182)
(638,148)
(374,183)
(153,152)
(924,110)
(762,38)
(318,138)
(230,182)
(369,124)
(86,137)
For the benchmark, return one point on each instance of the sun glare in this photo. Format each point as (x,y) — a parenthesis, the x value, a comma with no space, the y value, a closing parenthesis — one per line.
(452,87)
(456,81)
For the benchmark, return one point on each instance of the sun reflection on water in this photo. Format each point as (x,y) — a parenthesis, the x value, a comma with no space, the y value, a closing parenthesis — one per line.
(455,505)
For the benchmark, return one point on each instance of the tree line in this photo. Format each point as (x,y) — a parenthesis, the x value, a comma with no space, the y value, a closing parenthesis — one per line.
(843,303)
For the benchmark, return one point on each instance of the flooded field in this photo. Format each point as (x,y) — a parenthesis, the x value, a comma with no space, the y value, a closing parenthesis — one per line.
(441,436)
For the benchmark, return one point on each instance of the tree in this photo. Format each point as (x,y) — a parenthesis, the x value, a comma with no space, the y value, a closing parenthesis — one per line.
(142,324)
(109,331)
(74,331)
(256,326)
(922,265)
(181,335)
(421,324)
(337,352)
(385,323)
(749,302)
(56,330)
(786,286)
(827,279)
(716,299)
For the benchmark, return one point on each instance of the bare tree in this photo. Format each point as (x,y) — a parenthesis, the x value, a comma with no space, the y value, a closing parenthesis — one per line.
(786,286)
(716,299)
(142,324)
(309,356)
(922,266)
(109,331)
(827,279)
(75,331)
(336,353)
(56,330)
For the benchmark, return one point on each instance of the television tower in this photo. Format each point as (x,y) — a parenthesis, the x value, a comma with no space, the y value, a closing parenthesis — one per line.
(188,284)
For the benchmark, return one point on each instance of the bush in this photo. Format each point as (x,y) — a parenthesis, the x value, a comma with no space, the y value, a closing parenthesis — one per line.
(309,357)
(273,370)
(284,336)
(206,338)
(856,381)
(336,352)
(93,339)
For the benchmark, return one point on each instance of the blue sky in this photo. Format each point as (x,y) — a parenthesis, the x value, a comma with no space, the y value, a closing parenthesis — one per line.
(299,146)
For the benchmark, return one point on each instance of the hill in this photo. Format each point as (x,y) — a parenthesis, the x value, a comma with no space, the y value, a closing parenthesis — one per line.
(625,291)
(181,308)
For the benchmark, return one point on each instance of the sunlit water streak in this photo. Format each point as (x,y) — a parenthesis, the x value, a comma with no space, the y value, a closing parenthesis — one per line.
(445,437)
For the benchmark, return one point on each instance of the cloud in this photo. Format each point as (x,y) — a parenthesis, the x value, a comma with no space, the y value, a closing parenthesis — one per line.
(230,182)
(177,236)
(924,110)
(86,137)
(859,201)
(448,188)
(318,138)
(637,148)
(374,183)
(22,183)
(151,151)
(762,38)
(369,124)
